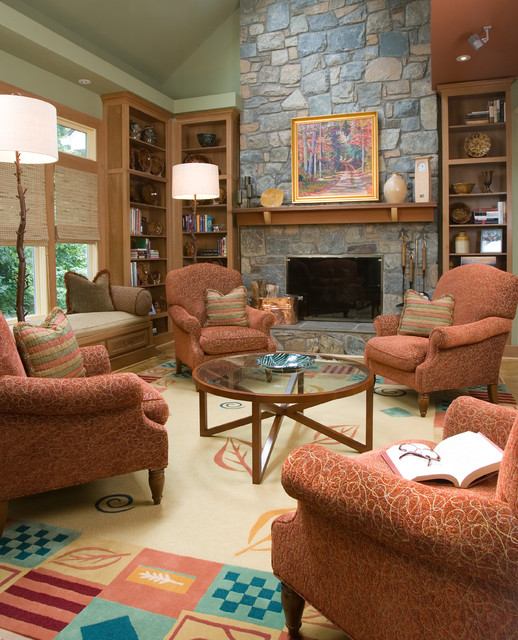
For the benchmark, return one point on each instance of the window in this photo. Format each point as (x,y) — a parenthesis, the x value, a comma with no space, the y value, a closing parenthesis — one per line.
(9,279)
(70,257)
(76,139)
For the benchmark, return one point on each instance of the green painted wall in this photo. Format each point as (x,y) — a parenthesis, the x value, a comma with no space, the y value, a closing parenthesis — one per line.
(35,80)
(213,68)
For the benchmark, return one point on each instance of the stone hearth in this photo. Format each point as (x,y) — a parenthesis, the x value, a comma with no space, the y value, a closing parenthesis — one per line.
(323,337)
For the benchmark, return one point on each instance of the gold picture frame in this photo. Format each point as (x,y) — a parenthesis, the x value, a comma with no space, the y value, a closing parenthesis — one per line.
(335,158)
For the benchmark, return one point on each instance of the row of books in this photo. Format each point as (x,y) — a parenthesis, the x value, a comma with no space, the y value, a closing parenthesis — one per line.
(143,250)
(137,221)
(199,223)
(495,112)
(489,215)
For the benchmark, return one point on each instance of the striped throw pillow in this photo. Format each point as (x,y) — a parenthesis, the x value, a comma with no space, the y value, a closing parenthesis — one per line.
(226,310)
(421,315)
(50,350)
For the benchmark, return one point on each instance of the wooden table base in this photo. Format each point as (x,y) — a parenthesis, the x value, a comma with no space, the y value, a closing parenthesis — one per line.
(261,454)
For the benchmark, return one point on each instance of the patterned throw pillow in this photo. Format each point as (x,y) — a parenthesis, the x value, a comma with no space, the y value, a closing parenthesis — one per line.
(421,315)
(226,310)
(84,296)
(50,350)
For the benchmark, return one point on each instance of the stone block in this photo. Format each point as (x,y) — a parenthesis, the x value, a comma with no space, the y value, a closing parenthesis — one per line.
(346,38)
(383,70)
(278,16)
(270,41)
(319,105)
(316,82)
(322,21)
(311,43)
(394,44)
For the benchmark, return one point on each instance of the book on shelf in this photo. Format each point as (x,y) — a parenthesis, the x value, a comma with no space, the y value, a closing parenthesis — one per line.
(462,459)
(198,224)
(495,112)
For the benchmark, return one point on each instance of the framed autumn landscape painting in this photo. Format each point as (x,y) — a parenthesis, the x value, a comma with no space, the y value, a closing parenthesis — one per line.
(335,158)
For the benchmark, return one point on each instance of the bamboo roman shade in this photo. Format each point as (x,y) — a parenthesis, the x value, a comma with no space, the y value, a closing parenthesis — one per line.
(33,179)
(76,198)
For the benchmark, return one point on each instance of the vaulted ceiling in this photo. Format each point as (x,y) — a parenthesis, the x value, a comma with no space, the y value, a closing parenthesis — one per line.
(147,39)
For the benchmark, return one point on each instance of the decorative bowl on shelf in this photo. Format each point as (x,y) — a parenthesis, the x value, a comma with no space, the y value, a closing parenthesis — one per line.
(460,213)
(206,139)
(463,187)
(477,145)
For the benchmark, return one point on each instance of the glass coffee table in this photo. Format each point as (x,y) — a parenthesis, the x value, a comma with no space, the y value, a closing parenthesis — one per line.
(283,385)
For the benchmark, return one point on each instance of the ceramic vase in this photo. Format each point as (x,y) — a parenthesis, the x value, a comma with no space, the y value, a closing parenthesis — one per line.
(395,188)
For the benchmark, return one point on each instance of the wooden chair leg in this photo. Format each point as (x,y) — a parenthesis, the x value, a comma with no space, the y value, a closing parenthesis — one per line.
(492,392)
(293,606)
(156,483)
(423,399)
(178,366)
(3,516)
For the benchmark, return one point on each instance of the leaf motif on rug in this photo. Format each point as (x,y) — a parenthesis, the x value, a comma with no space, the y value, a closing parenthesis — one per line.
(344,429)
(87,558)
(231,456)
(262,531)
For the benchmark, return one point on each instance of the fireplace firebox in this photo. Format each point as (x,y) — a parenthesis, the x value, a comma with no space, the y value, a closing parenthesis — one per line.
(336,288)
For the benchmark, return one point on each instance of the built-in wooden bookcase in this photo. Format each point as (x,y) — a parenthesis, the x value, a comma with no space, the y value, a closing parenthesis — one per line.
(139,199)
(475,116)
(220,243)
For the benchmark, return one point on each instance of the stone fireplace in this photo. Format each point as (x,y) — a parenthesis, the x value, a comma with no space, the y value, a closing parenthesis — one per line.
(336,288)
(265,248)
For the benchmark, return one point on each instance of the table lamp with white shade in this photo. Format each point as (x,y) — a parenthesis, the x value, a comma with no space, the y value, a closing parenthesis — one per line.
(195,181)
(28,135)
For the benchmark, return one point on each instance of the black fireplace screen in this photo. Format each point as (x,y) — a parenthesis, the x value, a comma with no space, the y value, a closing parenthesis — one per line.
(336,288)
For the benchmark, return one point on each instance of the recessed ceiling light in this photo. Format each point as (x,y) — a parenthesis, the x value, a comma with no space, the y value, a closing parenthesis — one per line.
(463,58)
(84,81)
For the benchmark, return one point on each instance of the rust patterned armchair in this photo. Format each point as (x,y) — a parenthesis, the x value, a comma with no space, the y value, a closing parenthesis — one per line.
(467,353)
(60,432)
(385,558)
(193,341)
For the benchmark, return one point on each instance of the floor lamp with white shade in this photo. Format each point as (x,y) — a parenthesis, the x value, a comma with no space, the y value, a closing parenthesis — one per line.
(195,181)
(28,135)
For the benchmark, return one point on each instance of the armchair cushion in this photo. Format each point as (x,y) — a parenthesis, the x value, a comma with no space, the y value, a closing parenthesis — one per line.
(50,350)
(400,352)
(420,315)
(219,340)
(227,310)
(85,296)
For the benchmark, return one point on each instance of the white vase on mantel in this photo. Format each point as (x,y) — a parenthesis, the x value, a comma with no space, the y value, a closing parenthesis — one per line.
(395,189)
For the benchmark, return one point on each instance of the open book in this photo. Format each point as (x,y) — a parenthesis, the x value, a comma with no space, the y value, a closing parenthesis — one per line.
(464,458)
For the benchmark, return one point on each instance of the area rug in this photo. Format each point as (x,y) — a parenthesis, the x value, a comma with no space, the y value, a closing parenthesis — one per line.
(61,583)
(211,513)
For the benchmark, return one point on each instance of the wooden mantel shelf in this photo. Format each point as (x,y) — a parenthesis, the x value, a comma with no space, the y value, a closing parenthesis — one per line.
(337,214)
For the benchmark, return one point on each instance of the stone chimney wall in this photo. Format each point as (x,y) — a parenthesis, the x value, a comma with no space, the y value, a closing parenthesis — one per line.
(304,58)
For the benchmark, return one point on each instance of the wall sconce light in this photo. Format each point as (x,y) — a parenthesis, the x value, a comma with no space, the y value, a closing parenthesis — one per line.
(476,41)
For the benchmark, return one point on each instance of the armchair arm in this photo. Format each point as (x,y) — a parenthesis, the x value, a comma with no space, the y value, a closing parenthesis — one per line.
(452,528)
(260,319)
(96,360)
(68,396)
(463,334)
(185,321)
(470,414)
(386,325)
